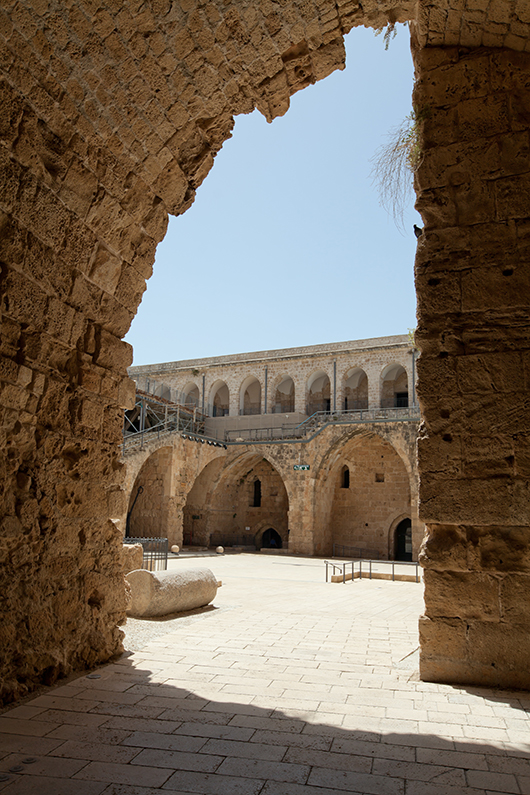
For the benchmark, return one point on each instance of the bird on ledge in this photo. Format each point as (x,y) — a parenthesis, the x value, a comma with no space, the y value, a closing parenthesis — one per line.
(418,231)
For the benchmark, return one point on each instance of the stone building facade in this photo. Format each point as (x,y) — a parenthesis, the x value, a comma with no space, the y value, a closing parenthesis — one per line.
(111,116)
(359,374)
(361,489)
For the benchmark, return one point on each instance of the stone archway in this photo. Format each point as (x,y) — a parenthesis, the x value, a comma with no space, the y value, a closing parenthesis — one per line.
(222,509)
(118,129)
(150,516)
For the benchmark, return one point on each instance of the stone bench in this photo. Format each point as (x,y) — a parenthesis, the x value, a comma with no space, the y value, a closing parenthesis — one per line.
(160,593)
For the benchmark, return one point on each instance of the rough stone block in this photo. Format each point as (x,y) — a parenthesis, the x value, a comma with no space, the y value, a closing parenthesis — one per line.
(465,595)
(132,556)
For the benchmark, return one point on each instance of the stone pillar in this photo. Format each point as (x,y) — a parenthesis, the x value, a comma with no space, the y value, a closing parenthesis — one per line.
(300,488)
(300,395)
(472,277)
(373,373)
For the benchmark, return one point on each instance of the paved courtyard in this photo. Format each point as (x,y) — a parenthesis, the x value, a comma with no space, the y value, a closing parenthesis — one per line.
(287,686)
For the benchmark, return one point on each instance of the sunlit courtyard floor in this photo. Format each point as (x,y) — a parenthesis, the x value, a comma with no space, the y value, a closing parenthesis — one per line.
(288,685)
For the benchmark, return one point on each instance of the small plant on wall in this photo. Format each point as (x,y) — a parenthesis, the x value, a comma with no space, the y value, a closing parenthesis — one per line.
(395,163)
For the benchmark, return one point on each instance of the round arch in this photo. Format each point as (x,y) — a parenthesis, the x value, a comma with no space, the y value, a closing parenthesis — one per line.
(162,391)
(318,392)
(261,540)
(283,395)
(219,399)
(355,389)
(394,387)
(250,396)
(191,394)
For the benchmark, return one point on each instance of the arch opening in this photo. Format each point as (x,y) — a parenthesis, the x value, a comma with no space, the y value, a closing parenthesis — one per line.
(403,540)
(191,395)
(250,396)
(355,389)
(271,539)
(284,396)
(318,393)
(219,403)
(357,518)
(394,387)
(149,506)
(229,504)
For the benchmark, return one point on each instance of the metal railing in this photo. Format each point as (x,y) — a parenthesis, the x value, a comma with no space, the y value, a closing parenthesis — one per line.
(370,573)
(318,420)
(151,419)
(154,551)
(341,568)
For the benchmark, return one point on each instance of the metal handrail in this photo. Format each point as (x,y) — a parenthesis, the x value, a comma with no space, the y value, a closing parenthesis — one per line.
(154,419)
(289,431)
(341,567)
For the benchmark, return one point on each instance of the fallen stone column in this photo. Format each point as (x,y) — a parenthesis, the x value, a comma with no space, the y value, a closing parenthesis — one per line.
(160,593)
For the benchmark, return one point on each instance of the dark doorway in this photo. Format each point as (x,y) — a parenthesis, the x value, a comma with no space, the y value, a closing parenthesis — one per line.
(403,540)
(271,539)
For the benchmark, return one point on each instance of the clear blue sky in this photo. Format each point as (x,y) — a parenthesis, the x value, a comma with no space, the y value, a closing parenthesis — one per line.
(286,243)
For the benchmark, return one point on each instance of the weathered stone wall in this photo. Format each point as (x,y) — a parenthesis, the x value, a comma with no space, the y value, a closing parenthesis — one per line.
(226,508)
(110,117)
(472,274)
(364,514)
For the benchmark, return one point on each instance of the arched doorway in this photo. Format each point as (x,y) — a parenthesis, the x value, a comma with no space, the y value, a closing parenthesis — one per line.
(271,539)
(403,540)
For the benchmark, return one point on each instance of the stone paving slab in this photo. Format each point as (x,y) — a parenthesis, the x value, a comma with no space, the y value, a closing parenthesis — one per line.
(286,686)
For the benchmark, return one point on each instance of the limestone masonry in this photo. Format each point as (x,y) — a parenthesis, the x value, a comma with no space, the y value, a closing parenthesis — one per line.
(110,118)
(360,493)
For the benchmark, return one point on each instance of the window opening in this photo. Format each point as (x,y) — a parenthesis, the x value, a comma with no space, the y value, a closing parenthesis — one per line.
(256,500)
